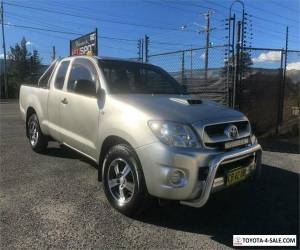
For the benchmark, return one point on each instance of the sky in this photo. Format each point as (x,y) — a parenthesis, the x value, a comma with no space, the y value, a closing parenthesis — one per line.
(121,23)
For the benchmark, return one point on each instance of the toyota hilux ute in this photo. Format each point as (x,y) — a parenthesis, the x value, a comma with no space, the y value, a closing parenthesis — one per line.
(147,136)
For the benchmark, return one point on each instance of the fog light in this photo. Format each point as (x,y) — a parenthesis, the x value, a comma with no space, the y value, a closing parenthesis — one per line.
(177,177)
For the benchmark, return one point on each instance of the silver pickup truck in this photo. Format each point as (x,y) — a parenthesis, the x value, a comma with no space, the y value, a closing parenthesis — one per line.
(147,136)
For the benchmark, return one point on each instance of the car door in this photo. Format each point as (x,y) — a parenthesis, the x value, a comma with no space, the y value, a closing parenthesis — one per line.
(80,111)
(55,97)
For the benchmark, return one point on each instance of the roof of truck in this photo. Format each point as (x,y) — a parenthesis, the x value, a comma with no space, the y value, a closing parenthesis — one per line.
(112,59)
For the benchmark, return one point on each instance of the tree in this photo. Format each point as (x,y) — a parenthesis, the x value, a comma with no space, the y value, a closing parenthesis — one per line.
(23,67)
(19,63)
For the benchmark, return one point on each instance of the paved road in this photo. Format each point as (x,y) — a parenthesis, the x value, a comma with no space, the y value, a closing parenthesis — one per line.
(54,200)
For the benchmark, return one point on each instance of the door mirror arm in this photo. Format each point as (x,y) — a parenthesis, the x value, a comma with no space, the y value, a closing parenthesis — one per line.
(100,93)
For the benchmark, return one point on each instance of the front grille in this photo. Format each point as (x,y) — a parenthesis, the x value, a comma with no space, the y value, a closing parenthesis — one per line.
(219,128)
(214,136)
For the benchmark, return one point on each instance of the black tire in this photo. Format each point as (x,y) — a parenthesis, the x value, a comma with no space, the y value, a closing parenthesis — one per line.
(140,199)
(37,140)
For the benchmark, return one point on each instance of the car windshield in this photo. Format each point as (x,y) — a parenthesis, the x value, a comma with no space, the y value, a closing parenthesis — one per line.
(125,77)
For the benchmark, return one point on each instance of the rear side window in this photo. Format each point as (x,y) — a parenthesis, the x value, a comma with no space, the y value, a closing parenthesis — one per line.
(44,80)
(61,75)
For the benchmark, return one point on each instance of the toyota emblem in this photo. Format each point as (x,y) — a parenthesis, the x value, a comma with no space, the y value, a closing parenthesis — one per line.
(231,132)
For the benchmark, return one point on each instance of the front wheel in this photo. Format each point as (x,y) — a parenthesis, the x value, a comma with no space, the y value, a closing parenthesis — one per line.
(37,140)
(124,182)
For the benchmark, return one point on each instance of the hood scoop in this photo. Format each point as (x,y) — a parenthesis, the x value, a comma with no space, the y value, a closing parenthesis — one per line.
(186,101)
(194,101)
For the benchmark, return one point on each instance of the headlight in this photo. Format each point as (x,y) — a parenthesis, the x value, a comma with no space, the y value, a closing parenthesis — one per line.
(174,134)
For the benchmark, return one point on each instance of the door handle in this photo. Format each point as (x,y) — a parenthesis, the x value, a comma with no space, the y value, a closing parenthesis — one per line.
(64,101)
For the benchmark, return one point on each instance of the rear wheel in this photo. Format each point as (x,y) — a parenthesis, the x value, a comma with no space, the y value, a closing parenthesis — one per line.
(124,182)
(37,140)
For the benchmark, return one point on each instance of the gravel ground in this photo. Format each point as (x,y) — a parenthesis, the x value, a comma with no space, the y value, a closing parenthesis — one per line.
(54,200)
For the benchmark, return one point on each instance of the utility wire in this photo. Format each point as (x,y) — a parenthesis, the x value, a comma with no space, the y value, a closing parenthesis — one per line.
(80,34)
(170,43)
(91,18)
(65,32)
(205,7)
(45,24)
(67,39)
(217,3)
(224,16)
(76,33)
(141,25)
(272,13)
(164,4)
(285,7)
(88,9)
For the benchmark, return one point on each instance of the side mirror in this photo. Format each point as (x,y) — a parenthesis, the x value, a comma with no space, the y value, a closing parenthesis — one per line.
(100,93)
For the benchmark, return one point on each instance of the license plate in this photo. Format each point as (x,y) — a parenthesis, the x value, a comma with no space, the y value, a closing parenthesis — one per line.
(232,144)
(236,175)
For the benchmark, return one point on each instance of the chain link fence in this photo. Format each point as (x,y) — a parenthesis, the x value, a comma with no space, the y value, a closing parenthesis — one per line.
(259,93)
(291,101)
(268,89)
(188,68)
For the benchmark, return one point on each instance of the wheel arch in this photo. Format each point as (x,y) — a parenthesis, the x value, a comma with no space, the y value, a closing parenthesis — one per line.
(109,142)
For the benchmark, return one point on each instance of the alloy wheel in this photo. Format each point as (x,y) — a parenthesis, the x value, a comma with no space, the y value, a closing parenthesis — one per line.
(33,132)
(120,181)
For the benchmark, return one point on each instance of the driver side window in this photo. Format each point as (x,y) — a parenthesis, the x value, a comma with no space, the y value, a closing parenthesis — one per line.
(83,78)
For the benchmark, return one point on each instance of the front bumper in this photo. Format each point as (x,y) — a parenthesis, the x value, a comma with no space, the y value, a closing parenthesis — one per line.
(159,161)
(214,165)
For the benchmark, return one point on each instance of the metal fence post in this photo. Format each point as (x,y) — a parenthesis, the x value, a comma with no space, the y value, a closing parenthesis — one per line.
(282,83)
(182,68)
(191,65)
(238,67)
(146,48)
(280,94)
(284,73)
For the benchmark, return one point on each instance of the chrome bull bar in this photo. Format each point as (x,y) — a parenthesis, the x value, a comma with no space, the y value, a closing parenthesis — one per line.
(213,168)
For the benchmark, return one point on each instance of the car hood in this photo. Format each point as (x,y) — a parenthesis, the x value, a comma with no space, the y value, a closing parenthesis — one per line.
(181,108)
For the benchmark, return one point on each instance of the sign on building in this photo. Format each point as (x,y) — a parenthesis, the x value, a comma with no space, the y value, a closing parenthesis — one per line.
(85,45)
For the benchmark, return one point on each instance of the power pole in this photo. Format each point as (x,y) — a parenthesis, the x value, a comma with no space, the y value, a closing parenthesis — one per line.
(207,31)
(4,52)
(139,47)
(53,53)
(142,50)
(146,48)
